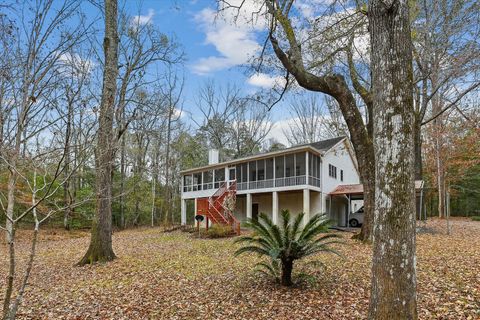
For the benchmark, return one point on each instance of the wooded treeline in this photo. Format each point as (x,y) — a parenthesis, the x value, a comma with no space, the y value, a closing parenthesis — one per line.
(49,100)
(50,109)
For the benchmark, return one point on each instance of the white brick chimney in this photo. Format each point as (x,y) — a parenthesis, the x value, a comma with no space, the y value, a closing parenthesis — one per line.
(212,156)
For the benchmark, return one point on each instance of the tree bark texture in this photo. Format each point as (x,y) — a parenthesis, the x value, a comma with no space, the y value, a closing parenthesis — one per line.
(393,288)
(100,248)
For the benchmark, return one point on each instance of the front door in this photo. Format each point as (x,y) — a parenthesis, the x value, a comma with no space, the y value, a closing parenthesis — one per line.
(255,211)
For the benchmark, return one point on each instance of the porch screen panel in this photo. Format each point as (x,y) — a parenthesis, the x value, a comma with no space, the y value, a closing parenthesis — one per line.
(187,183)
(244,172)
(269,168)
(279,166)
(300,164)
(238,173)
(197,181)
(219,177)
(319,163)
(207,180)
(289,163)
(310,164)
(261,169)
(253,170)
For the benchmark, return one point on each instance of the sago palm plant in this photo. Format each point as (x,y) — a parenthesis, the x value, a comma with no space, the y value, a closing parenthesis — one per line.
(286,243)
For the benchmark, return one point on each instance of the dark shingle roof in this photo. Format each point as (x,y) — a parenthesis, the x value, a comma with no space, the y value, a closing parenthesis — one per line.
(321,146)
(324,145)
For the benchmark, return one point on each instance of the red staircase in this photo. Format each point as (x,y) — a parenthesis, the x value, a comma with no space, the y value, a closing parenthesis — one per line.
(215,207)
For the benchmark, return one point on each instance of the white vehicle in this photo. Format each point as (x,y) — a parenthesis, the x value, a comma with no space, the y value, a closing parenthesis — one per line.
(356,218)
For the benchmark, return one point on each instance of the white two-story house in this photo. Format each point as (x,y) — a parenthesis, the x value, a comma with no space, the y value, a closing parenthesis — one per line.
(299,179)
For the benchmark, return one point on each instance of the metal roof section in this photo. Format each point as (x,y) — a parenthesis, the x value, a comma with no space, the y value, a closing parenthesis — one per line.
(357,189)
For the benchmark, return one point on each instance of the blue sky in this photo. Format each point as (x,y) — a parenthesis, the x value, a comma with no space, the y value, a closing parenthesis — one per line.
(214,49)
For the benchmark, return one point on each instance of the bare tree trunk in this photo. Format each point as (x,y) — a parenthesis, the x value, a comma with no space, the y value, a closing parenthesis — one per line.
(154,192)
(439,160)
(12,313)
(67,196)
(393,289)
(335,86)
(11,275)
(417,133)
(167,167)
(440,177)
(122,182)
(367,175)
(100,248)
(12,165)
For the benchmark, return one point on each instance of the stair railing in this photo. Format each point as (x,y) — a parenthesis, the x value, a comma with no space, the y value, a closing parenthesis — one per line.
(217,200)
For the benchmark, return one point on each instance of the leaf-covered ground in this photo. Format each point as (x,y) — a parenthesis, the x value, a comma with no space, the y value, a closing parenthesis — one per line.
(173,276)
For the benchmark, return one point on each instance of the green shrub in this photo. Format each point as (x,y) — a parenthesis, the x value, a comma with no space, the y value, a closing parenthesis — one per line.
(219,231)
(476,218)
(284,244)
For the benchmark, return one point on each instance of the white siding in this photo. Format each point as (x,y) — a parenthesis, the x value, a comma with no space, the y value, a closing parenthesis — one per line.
(338,156)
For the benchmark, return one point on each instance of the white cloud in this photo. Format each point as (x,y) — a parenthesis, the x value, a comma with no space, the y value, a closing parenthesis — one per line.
(281,128)
(278,131)
(265,81)
(142,20)
(75,64)
(178,113)
(310,8)
(232,35)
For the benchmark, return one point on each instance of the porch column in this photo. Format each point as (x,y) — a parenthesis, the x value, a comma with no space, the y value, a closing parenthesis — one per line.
(349,209)
(275,207)
(249,206)
(306,205)
(183,212)
(194,210)
(307,171)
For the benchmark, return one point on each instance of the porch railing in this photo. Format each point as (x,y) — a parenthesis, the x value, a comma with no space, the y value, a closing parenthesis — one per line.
(279,182)
(260,184)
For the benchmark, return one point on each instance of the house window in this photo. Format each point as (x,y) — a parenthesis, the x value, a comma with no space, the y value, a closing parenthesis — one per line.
(341,175)
(332,171)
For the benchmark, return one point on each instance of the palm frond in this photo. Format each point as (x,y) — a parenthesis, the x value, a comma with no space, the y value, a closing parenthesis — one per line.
(286,227)
(252,249)
(287,242)
(269,269)
(315,226)
(273,229)
(296,225)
